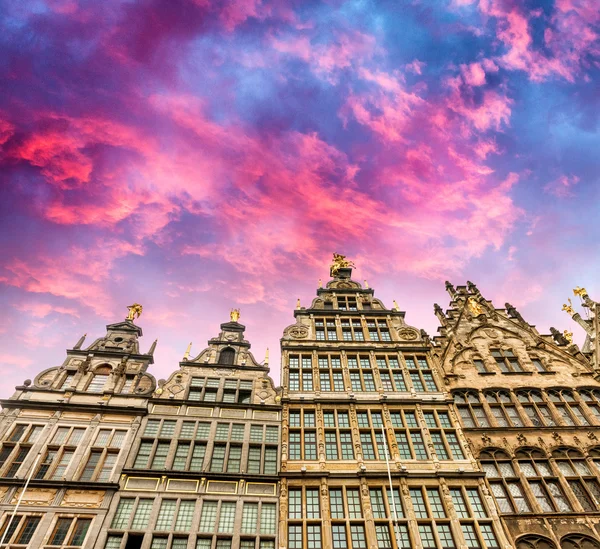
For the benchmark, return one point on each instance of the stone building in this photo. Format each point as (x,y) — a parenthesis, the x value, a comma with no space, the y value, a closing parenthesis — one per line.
(69,433)
(203,472)
(529,405)
(359,385)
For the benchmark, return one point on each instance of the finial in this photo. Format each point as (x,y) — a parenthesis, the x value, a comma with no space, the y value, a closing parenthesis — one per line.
(568,308)
(568,336)
(579,291)
(320,283)
(450,289)
(187,351)
(396,308)
(80,342)
(339,262)
(298,304)
(234,315)
(153,347)
(135,311)
(472,287)
(267,357)
(366,285)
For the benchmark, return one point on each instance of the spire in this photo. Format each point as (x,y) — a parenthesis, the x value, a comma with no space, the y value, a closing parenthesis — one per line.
(80,342)
(153,347)
(450,289)
(266,362)
(187,351)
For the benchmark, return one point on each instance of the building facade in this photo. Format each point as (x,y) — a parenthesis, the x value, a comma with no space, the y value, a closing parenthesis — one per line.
(486,436)
(361,390)
(67,434)
(529,405)
(203,472)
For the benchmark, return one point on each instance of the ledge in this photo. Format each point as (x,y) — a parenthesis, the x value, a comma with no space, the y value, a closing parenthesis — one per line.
(61,484)
(198,475)
(66,406)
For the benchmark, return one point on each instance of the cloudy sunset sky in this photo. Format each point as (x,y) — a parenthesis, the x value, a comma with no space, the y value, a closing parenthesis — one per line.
(195,156)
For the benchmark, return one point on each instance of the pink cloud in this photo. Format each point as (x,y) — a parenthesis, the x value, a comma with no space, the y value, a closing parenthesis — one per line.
(562,187)
(415,67)
(41,310)
(570,38)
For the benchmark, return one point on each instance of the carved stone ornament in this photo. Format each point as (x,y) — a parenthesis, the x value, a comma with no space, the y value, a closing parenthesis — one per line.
(298,332)
(408,333)
(521,439)
(494,334)
(556,436)
(224,372)
(592,436)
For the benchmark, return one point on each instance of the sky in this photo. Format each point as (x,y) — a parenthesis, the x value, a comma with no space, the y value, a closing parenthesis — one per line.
(195,156)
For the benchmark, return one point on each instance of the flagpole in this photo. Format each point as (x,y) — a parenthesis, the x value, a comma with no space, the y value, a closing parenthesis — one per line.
(37,459)
(387,462)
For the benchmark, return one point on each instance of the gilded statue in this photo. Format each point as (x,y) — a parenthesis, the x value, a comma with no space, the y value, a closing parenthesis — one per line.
(135,311)
(234,315)
(579,291)
(568,308)
(568,336)
(339,262)
(474,306)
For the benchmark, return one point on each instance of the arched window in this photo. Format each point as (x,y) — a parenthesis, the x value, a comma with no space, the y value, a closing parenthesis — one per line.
(99,380)
(543,481)
(535,542)
(580,478)
(568,408)
(504,482)
(591,398)
(227,356)
(535,408)
(504,411)
(579,541)
(470,409)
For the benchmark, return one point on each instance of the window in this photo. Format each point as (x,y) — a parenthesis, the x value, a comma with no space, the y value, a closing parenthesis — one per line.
(470,409)
(204,389)
(391,373)
(16,448)
(227,356)
(505,485)
(409,438)
(346,303)
(543,481)
(580,479)
(302,442)
(69,532)
(66,383)
(537,410)
(325,329)
(468,505)
(378,330)
(20,530)
(420,374)
(503,410)
(103,455)
(338,437)
(361,373)
(301,370)
(569,410)
(352,329)
(506,361)
(330,373)
(443,436)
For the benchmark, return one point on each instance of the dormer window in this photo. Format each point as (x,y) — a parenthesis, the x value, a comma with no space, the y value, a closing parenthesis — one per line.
(227,356)
(99,380)
(506,360)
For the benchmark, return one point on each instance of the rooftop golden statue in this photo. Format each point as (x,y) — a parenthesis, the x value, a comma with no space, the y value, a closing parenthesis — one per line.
(339,262)
(568,308)
(135,311)
(234,315)
(579,291)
